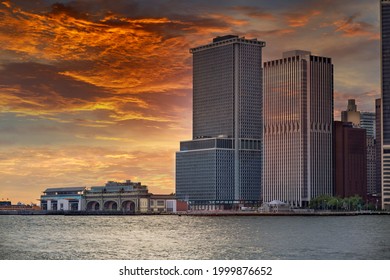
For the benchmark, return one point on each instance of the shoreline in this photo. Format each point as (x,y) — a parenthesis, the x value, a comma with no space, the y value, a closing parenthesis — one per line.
(192,213)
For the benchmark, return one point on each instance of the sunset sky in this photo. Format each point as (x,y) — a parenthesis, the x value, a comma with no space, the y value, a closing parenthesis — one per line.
(94,90)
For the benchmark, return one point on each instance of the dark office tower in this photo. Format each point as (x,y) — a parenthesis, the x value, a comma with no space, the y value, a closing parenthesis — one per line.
(385,64)
(378,146)
(298,125)
(222,163)
(350,160)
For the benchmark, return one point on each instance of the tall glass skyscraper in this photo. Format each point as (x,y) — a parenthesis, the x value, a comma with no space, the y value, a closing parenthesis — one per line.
(298,126)
(222,163)
(367,121)
(385,64)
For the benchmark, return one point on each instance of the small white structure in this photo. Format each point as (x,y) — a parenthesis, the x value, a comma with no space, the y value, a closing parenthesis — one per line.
(276,206)
(63,199)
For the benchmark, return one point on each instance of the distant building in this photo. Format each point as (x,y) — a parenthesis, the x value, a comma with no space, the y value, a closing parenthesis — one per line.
(368,122)
(221,165)
(350,160)
(298,128)
(18,207)
(371,165)
(378,146)
(64,199)
(351,115)
(5,203)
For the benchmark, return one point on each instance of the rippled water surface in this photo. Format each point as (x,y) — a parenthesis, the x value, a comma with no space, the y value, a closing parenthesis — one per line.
(185,237)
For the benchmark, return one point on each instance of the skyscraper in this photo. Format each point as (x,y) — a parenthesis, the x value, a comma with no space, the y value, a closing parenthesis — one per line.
(385,71)
(222,163)
(298,125)
(378,146)
(367,121)
(350,160)
(364,120)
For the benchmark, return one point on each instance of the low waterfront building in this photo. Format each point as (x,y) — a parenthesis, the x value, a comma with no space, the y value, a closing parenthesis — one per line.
(7,206)
(163,203)
(276,206)
(63,199)
(5,203)
(126,197)
(131,197)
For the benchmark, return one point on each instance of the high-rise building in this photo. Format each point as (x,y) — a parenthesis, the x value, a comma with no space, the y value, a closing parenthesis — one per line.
(350,160)
(351,115)
(378,146)
(222,163)
(385,73)
(367,121)
(298,125)
(364,120)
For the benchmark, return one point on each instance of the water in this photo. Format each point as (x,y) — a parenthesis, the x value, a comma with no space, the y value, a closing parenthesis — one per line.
(185,237)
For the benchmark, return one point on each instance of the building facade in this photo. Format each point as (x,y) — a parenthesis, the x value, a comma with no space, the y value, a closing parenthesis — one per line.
(385,106)
(63,199)
(378,146)
(125,197)
(350,160)
(222,163)
(298,125)
(368,122)
(351,115)
(131,197)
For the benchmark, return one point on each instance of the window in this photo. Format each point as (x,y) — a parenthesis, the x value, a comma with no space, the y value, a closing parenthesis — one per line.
(160,203)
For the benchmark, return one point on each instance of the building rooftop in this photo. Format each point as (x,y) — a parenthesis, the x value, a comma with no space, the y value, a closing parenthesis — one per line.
(69,189)
(227,40)
(295,53)
(163,196)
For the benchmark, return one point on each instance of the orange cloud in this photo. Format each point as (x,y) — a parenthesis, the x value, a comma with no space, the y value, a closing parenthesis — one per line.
(351,28)
(300,20)
(125,54)
(7,4)
(253,12)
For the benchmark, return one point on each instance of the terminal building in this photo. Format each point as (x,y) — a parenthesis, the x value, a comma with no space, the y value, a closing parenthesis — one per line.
(127,197)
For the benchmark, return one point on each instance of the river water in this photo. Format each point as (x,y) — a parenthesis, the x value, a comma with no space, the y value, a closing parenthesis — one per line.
(189,237)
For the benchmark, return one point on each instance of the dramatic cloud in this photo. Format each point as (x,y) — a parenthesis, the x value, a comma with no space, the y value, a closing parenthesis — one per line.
(100,90)
(300,19)
(351,28)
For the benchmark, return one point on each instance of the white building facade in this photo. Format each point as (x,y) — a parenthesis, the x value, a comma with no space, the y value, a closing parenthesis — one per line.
(63,199)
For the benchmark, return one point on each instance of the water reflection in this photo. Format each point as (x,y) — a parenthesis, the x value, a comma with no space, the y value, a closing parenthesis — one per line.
(174,237)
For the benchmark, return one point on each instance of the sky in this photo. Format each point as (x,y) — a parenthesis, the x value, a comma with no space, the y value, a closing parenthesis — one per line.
(93,91)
